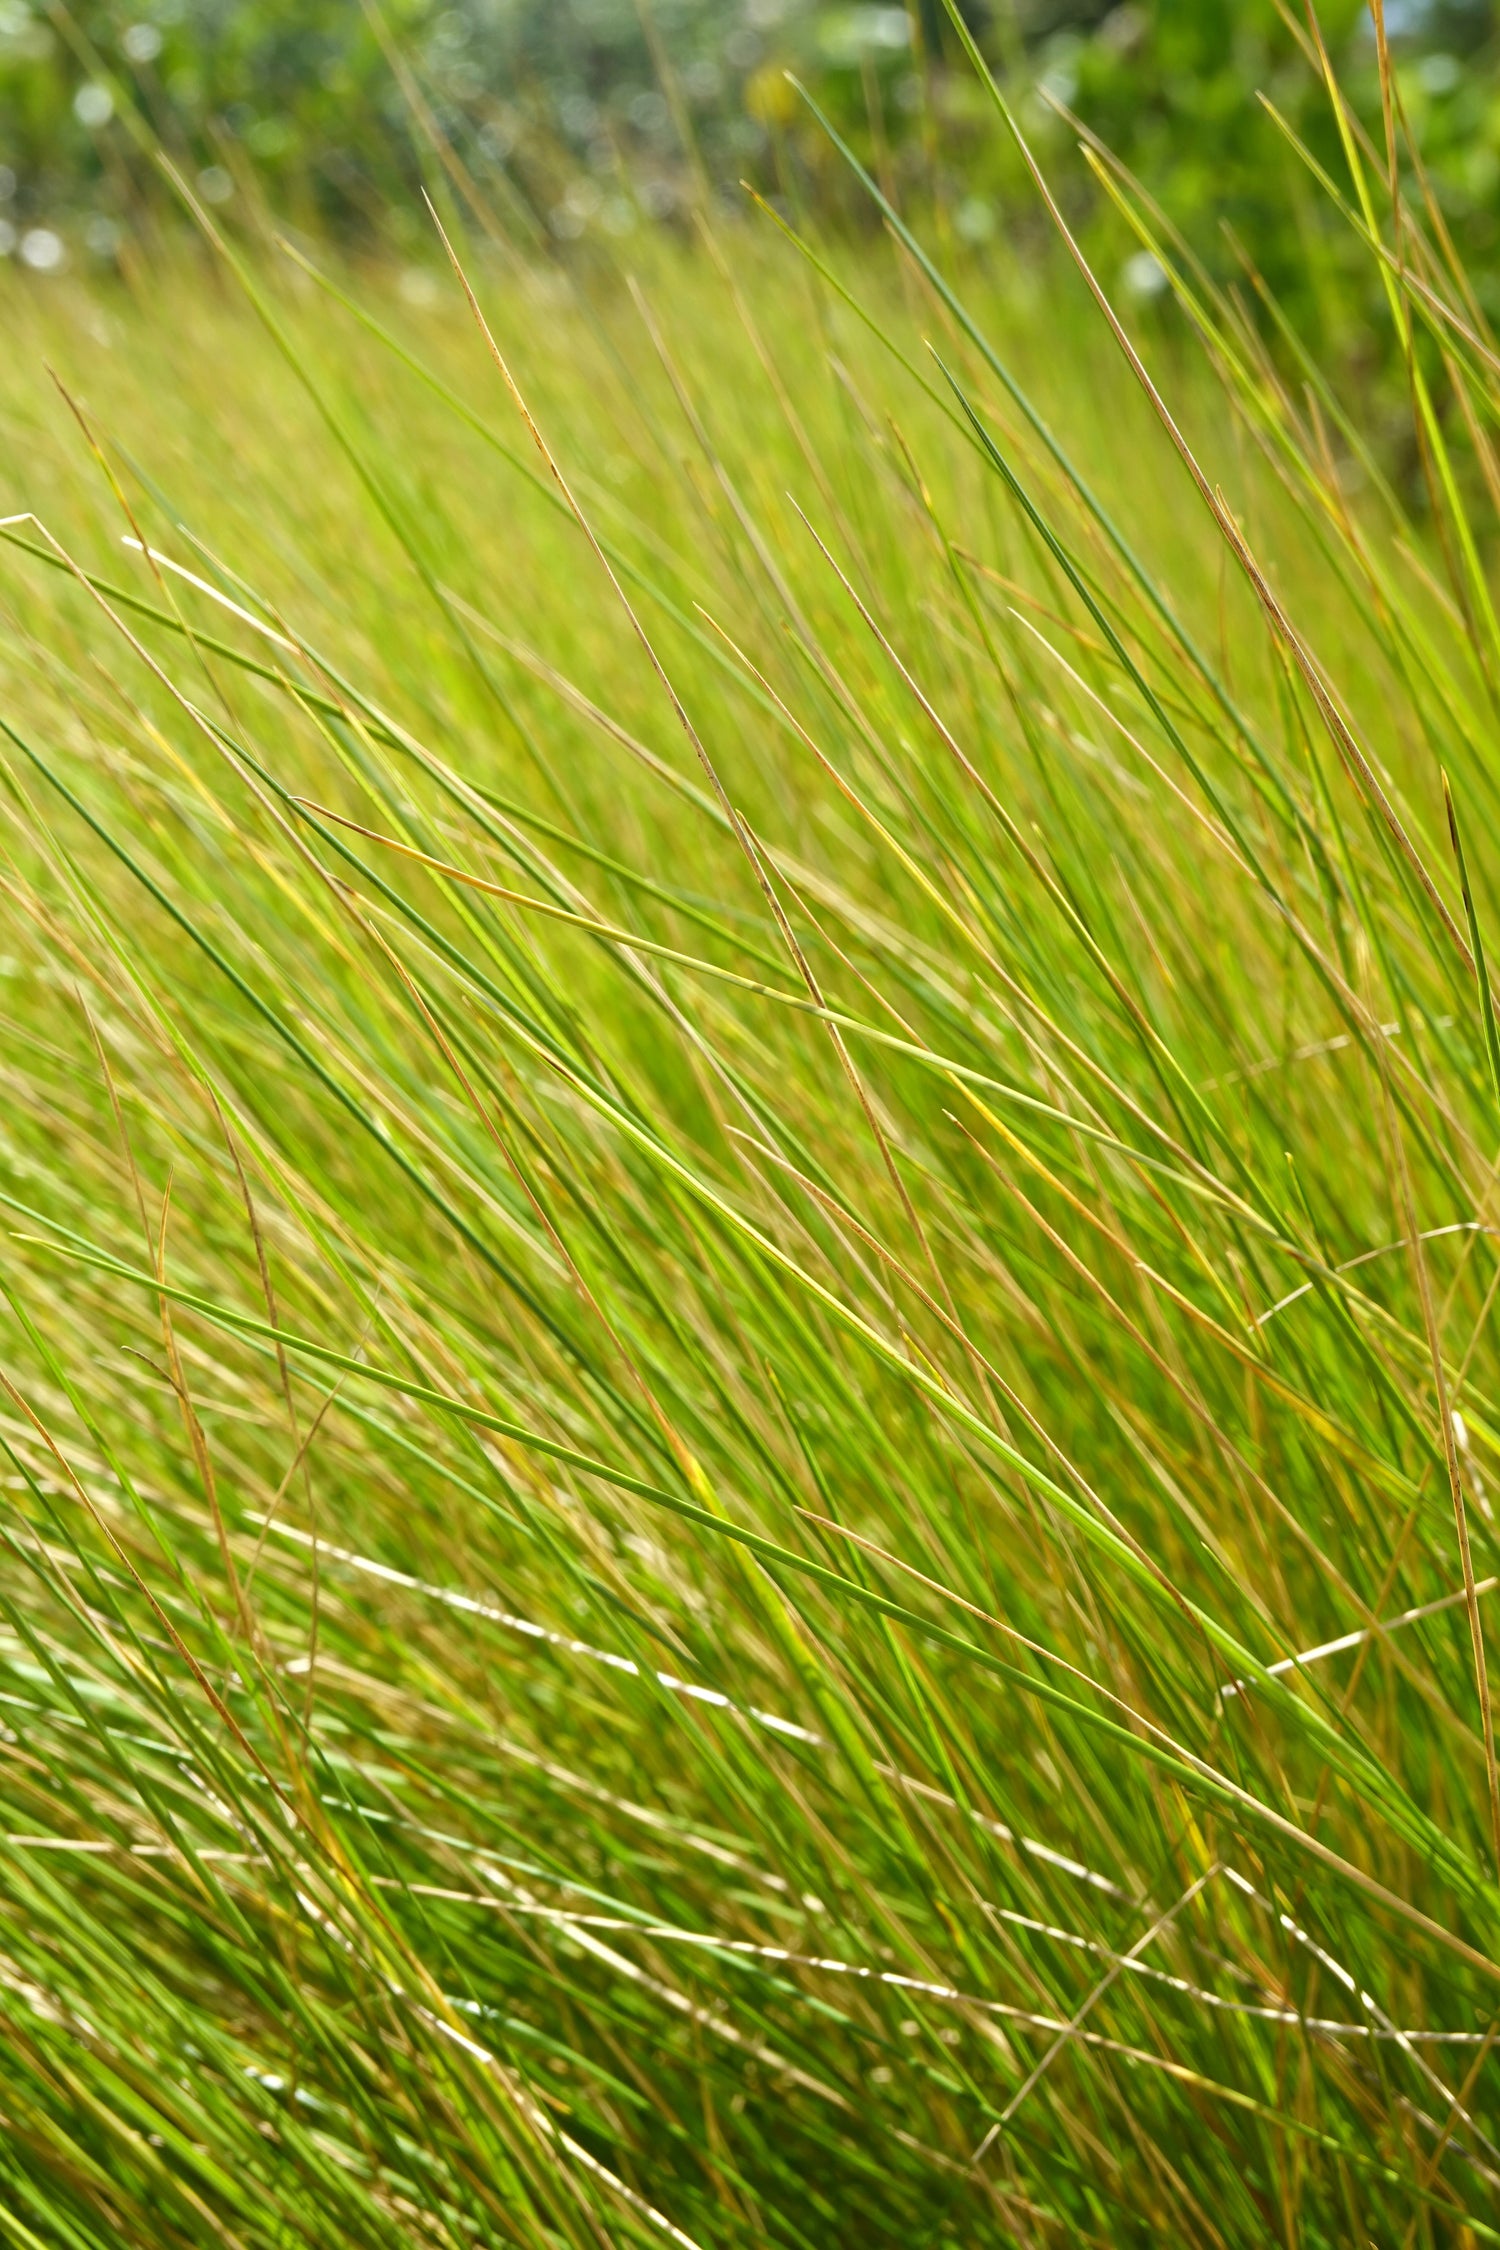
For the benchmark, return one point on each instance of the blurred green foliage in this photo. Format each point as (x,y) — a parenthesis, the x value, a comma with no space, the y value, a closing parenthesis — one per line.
(584,118)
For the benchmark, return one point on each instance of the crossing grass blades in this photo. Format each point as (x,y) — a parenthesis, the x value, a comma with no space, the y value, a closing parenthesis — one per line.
(750,1406)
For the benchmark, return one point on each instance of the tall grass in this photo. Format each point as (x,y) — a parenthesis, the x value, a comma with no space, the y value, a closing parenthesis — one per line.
(748,1158)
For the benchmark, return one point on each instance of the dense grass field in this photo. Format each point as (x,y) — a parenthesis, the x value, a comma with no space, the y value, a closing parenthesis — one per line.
(749,1183)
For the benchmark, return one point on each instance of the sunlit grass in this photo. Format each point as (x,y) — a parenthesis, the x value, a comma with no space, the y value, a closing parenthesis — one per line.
(746,1155)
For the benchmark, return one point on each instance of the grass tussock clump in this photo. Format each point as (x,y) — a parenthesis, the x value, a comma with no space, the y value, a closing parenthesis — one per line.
(750,1417)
